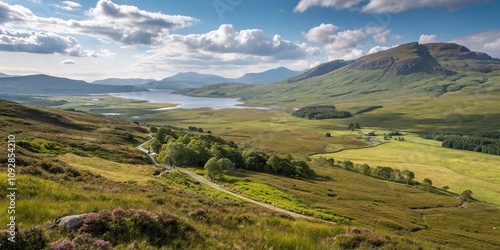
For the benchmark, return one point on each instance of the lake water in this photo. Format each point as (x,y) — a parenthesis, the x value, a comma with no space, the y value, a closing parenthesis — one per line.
(183,101)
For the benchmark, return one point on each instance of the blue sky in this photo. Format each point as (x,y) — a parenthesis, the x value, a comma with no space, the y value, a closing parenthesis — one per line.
(97,39)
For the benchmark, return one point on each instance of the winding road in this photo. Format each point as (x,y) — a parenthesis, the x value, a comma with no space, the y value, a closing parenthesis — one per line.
(213,185)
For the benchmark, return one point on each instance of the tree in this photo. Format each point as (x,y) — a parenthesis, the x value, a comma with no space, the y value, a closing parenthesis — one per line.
(445,188)
(427,182)
(162,132)
(213,168)
(275,163)
(155,145)
(218,167)
(409,176)
(328,134)
(173,154)
(226,165)
(351,126)
(153,129)
(466,196)
(364,169)
(356,126)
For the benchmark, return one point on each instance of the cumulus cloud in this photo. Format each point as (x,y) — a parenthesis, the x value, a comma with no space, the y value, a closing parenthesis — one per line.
(377,48)
(42,43)
(227,40)
(383,6)
(382,36)
(226,50)
(486,41)
(333,38)
(427,38)
(124,24)
(340,44)
(69,61)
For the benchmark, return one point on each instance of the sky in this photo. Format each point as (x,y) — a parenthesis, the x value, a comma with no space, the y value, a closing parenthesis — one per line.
(153,39)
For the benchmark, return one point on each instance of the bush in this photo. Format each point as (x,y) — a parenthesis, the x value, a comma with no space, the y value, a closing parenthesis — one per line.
(29,239)
(125,226)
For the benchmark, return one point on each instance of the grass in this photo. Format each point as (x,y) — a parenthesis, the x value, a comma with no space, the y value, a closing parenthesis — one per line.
(391,207)
(460,170)
(405,216)
(271,195)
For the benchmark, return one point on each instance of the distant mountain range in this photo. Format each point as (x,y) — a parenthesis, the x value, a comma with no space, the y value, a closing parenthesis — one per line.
(122,82)
(194,80)
(50,85)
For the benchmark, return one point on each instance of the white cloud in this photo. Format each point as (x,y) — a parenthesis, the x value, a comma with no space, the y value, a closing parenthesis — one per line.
(333,38)
(383,6)
(227,51)
(68,6)
(427,38)
(339,44)
(42,43)
(379,48)
(486,41)
(303,5)
(69,61)
(382,36)
(124,24)
(226,40)
(397,6)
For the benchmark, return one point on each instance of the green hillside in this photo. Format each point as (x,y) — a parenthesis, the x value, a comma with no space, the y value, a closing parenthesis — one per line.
(73,162)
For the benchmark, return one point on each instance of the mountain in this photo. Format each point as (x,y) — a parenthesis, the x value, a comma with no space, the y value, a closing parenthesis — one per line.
(319,70)
(3,75)
(122,82)
(411,69)
(188,80)
(268,76)
(50,85)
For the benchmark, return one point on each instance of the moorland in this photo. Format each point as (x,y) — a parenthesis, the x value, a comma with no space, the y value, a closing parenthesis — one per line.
(385,183)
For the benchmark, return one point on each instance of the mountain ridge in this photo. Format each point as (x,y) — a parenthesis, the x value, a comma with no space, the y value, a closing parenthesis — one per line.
(185,80)
(123,81)
(51,85)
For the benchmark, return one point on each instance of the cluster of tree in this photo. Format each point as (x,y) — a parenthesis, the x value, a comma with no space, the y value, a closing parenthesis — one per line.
(353,126)
(488,143)
(368,109)
(179,148)
(319,112)
(195,129)
(386,173)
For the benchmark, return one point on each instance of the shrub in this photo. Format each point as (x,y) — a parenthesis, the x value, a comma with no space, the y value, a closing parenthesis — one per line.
(125,226)
(29,239)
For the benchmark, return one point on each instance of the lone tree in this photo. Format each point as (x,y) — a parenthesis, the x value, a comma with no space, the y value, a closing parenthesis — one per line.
(328,134)
(427,182)
(218,167)
(466,196)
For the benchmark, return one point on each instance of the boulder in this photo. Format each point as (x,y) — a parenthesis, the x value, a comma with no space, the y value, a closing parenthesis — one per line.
(71,222)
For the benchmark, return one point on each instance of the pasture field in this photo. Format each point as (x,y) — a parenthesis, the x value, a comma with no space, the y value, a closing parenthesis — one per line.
(458,169)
